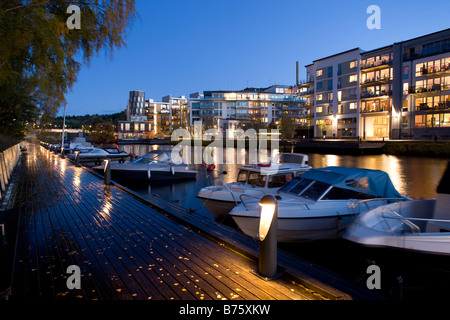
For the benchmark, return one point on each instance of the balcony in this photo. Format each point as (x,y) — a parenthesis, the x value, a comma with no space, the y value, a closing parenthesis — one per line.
(382,108)
(377,65)
(370,95)
(376,81)
(429,90)
(306,82)
(437,107)
(431,72)
(309,92)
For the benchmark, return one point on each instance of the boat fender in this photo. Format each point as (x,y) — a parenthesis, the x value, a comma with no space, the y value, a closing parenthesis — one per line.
(149,174)
(211,167)
(172,170)
(264,165)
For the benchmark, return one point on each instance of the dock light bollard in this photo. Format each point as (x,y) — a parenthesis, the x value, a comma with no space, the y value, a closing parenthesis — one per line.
(268,227)
(62,152)
(77,158)
(107,172)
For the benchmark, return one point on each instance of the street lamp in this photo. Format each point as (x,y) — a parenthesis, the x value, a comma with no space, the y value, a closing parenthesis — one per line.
(268,226)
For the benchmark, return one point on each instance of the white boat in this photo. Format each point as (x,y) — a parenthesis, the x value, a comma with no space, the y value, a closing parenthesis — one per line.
(156,165)
(320,203)
(418,225)
(252,181)
(98,154)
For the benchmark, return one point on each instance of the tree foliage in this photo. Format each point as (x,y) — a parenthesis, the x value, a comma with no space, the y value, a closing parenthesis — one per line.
(287,127)
(40,56)
(86,121)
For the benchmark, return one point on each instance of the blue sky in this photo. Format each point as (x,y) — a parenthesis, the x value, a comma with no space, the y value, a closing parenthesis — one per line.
(183,46)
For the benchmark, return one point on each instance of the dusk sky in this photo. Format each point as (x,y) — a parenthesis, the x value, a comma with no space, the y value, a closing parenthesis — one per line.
(183,46)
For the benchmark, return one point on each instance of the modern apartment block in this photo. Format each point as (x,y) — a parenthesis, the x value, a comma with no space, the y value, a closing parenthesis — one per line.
(147,118)
(248,108)
(136,105)
(136,127)
(400,91)
(169,114)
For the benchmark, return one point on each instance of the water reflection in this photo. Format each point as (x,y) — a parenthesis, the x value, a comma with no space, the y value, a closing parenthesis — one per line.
(414,177)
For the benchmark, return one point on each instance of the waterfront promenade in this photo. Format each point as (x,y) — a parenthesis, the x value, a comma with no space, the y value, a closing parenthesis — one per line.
(127,249)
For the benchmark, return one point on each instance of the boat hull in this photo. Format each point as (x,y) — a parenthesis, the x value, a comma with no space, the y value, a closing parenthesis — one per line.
(155,175)
(429,243)
(298,229)
(218,208)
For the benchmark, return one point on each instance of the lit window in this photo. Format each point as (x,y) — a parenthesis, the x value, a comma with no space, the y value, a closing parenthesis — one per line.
(319,97)
(319,73)
(352,105)
(319,109)
(405,88)
(339,95)
(353,64)
(353,78)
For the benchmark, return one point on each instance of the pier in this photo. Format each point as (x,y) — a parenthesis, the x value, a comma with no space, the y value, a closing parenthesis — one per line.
(128,248)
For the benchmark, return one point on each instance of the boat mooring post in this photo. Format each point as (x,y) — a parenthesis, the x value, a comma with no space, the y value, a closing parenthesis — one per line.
(107,172)
(77,158)
(268,227)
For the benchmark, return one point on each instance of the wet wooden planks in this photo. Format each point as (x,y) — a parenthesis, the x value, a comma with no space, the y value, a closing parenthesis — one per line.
(124,248)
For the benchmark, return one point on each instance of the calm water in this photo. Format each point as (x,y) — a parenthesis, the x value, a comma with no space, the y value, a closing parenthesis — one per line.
(404,276)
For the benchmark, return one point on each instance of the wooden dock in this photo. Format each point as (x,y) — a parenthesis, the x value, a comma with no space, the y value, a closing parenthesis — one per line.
(129,249)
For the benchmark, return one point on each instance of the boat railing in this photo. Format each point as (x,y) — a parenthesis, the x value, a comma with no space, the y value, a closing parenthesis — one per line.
(414,228)
(353,205)
(278,201)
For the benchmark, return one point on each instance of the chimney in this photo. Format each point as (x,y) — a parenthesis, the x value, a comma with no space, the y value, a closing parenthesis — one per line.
(297,82)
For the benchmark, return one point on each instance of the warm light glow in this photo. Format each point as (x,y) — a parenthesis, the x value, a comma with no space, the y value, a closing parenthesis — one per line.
(267,214)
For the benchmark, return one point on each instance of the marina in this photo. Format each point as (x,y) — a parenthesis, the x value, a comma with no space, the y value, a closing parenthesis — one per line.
(423,275)
(127,248)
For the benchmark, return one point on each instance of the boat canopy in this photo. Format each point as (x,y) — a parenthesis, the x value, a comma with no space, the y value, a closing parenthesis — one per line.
(373,182)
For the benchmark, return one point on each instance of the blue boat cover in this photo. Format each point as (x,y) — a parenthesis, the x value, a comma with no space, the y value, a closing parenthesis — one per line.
(373,182)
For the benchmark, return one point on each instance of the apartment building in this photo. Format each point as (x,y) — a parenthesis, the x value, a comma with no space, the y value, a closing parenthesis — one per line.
(169,114)
(400,91)
(136,127)
(247,108)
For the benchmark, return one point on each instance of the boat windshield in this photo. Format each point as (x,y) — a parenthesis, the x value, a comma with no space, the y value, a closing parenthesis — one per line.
(242,176)
(256,179)
(153,157)
(279,180)
(252,178)
(306,188)
(315,190)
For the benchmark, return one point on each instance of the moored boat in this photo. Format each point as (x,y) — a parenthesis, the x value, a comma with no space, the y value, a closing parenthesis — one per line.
(320,203)
(254,180)
(156,165)
(418,225)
